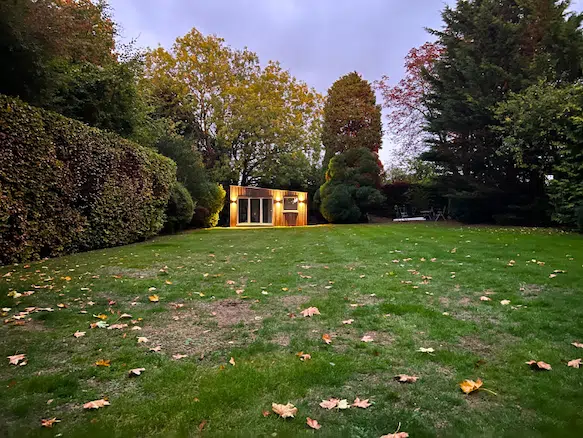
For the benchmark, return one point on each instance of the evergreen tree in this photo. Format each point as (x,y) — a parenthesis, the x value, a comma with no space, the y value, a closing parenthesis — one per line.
(492,48)
(352,118)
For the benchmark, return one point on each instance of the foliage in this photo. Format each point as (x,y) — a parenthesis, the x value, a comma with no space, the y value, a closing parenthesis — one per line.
(351,187)
(208,196)
(492,48)
(406,101)
(352,118)
(66,187)
(245,118)
(580,217)
(542,128)
(179,210)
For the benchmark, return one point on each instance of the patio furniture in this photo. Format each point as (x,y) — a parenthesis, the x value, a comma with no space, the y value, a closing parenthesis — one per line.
(428,214)
(440,213)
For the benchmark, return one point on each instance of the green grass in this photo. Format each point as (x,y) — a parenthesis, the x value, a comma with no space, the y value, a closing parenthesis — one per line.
(471,338)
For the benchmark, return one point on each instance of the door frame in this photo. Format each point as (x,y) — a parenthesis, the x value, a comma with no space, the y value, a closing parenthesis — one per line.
(248,198)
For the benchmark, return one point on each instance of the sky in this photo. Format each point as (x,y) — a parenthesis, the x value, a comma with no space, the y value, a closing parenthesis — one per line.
(316,40)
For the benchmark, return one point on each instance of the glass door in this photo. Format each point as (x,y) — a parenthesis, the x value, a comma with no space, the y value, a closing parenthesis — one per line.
(255,211)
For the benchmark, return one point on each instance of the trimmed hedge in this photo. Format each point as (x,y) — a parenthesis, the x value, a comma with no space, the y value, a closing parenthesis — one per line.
(66,187)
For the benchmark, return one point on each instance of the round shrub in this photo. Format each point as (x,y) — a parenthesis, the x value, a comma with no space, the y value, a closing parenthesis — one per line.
(338,205)
(179,210)
(210,199)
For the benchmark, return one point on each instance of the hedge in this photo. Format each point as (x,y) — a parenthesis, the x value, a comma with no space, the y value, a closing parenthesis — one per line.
(179,210)
(66,187)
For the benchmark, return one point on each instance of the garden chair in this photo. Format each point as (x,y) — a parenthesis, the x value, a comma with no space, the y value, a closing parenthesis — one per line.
(440,213)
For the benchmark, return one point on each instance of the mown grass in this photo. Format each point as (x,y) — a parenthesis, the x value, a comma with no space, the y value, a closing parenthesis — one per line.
(348,273)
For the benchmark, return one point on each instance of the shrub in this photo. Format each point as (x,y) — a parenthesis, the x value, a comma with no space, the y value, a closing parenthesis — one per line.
(179,210)
(210,198)
(580,218)
(338,205)
(66,187)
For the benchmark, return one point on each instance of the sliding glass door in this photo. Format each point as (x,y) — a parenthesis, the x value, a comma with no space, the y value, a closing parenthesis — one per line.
(255,211)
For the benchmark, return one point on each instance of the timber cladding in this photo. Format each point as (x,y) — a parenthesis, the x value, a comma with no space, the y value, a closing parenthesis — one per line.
(254,206)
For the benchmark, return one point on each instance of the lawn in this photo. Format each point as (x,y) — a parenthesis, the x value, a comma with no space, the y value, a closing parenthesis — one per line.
(239,294)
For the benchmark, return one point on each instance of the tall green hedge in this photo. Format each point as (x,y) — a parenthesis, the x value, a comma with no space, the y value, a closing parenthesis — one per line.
(66,187)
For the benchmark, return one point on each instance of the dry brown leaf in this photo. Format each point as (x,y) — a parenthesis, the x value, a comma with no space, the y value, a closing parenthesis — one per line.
(179,356)
(540,365)
(469,386)
(17,359)
(348,321)
(310,311)
(142,339)
(284,411)
(326,338)
(358,403)
(96,404)
(367,338)
(485,298)
(154,298)
(404,378)
(313,423)
(330,403)
(577,344)
(125,315)
(575,363)
(232,361)
(266,413)
(49,422)
(103,363)
(396,435)
(136,372)
(305,356)
(79,334)
(117,326)
(202,425)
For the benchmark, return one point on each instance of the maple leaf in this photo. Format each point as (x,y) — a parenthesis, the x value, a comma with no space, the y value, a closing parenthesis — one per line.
(284,411)
(348,321)
(404,378)
(310,311)
(358,403)
(540,365)
(343,404)
(367,338)
(577,344)
(100,324)
(485,298)
(232,361)
(469,386)
(142,339)
(426,350)
(103,363)
(156,348)
(79,334)
(179,356)
(96,404)
(49,422)
(313,423)
(136,372)
(396,435)
(154,298)
(330,403)
(17,359)
(326,338)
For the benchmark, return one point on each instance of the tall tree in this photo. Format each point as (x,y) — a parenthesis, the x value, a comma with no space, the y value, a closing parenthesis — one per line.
(352,118)
(246,118)
(490,49)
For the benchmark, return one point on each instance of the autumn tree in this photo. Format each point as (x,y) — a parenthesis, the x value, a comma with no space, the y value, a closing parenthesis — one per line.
(352,118)
(245,119)
(406,101)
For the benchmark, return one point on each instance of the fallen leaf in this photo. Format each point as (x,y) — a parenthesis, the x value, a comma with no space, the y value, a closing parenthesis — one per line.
(313,423)
(156,348)
(310,311)
(79,334)
(348,321)
(577,344)
(396,435)
(179,356)
(117,326)
(136,372)
(540,365)
(168,282)
(202,425)
(99,324)
(284,411)
(367,338)
(358,403)
(426,350)
(575,363)
(343,404)
(469,386)
(404,378)
(232,361)
(103,363)
(142,339)
(326,337)
(125,315)
(17,359)
(96,404)
(485,298)
(101,316)
(305,356)
(266,413)
(330,403)
(154,298)
(49,422)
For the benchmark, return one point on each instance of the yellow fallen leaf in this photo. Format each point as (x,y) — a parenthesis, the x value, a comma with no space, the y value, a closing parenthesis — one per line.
(154,298)
(469,386)
(49,422)
(404,378)
(142,339)
(232,361)
(326,338)
(103,363)
(284,411)
(96,404)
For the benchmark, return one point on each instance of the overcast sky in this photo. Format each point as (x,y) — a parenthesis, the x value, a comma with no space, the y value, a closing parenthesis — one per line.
(317,40)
